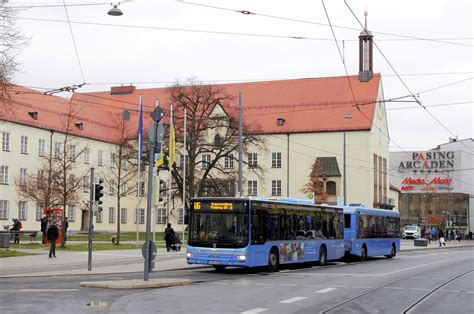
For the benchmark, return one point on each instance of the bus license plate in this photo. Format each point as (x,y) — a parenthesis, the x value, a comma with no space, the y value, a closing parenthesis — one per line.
(214,262)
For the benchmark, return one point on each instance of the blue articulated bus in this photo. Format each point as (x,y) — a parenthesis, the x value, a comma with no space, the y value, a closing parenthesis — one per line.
(371,232)
(251,232)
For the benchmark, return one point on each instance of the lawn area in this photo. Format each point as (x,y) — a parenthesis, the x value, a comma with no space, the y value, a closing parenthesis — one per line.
(102,247)
(34,245)
(10,253)
(124,236)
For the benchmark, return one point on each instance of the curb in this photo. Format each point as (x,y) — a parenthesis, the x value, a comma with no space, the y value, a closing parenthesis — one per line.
(439,248)
(136,284)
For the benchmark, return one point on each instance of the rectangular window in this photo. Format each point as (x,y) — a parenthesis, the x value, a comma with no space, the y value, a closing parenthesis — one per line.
(252,160)
(72,152)
(140,215)
(375,179)
(99,215)
(3,209)
(39,212)
(252,188)
(24,144)
(57,150)
(4,175)
(113,159)
(276,187)
(100,160)
(180,216)
(182,160)
(87,153)
(86,184)
(124,189)
(23,176)
(161,216)
(6,142)
(41,147)
(71,213)
(123,215)
(112,187)
(229,161)
(22,210)
(276,160)
(125,163)
(384,175)
(111,215)
(380,180)
(206,161)
(141,189)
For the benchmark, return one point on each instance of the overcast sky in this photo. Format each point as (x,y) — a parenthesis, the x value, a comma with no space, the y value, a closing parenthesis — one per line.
(149,56)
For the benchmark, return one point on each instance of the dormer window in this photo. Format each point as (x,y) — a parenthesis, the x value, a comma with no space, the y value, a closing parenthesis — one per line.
(280,121)
(79,125)
(33,114)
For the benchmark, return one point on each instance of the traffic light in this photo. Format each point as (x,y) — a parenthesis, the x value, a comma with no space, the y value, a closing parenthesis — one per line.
(163,190)
(98,193)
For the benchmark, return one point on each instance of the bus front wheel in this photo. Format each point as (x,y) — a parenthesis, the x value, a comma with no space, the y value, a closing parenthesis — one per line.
(323,257)
(393,253)
(363,254)
(273,260)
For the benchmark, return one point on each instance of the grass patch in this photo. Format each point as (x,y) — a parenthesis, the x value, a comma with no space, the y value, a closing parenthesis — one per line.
(9,253)
(124,236)
(101,247)
(34,245)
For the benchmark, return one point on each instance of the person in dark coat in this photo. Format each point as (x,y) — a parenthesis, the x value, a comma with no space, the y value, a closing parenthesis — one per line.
(53,234)
(44,228)
(66,225)
(169,235)
(16,227)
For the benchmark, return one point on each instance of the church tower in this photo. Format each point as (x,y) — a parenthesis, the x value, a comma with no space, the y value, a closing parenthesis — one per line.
(365,53)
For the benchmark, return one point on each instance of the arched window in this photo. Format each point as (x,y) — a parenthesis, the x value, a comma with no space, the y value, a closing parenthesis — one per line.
(331,187)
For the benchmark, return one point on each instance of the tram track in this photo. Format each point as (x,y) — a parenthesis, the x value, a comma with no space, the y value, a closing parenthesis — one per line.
(365,293)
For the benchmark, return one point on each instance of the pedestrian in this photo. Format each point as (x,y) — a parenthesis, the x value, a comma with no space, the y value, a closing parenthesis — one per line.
(458,236)
(169,235)
(441,238)
(53,234)
(17,225)
(66,225)
(44,228)
(433,234)
(470,235)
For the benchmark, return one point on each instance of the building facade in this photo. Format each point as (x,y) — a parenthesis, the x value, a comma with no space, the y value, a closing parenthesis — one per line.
(437,185)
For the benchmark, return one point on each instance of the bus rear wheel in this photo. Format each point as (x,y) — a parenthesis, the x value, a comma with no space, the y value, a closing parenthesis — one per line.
(363,254)
(323,257)
(273,260)
(219,268)
(393,253)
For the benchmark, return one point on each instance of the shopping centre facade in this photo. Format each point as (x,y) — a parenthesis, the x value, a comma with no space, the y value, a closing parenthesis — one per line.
(437,185)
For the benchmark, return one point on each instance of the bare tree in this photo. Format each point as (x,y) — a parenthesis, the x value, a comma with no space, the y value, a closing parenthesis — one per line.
(40,188)
(11,40)
(316,184)
(69,182)
(122,173)
(209,134)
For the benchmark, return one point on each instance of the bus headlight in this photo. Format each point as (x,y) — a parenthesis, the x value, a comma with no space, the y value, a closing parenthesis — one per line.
(241,258)
(189,255)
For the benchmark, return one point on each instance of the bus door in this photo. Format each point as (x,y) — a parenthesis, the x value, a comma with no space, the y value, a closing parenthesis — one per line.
(258,237)
(349,231)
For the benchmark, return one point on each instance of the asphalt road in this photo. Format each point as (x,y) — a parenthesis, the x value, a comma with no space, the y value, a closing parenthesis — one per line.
(413,282)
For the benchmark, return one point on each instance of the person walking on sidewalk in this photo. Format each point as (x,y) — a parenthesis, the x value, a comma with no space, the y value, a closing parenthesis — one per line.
(44,228)
(441,238)
(169,235)
(53,234)
(433,234)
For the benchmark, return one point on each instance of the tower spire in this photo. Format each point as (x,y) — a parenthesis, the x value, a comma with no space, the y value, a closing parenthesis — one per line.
(365,53)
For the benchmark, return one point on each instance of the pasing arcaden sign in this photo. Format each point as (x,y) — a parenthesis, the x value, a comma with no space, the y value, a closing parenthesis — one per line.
(433,164)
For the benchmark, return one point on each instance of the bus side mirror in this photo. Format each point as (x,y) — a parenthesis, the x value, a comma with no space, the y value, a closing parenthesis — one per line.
(186,219)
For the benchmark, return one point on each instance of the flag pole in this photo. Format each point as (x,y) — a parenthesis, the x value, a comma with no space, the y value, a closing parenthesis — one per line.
(140,148)
(155,187)
(184,174)
(170,152)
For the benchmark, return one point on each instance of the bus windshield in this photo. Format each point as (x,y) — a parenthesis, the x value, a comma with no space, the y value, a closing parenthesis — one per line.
(225,230)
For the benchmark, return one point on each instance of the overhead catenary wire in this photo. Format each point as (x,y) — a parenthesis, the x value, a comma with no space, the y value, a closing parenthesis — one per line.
(74,42)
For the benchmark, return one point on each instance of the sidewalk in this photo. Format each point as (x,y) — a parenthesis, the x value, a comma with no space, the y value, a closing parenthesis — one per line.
(127,261)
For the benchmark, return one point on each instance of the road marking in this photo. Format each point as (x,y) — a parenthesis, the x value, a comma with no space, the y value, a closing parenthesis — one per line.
(469,292)
(287,284)
(455,291)
(48,290)
(241,283)
(264,284)
(395,288)
(361,287)
(311,286)
(257,310)
(285,271)
(418,277)
(325,290)
(295,299)
(419,289)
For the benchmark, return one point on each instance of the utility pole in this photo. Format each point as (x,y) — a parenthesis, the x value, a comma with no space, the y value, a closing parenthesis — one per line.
(91,216)
(156,115)
(240,145)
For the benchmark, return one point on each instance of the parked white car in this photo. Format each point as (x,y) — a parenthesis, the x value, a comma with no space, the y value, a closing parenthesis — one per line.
(411,232)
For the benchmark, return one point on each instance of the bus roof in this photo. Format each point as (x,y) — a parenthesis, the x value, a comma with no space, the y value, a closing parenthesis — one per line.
(372,211)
